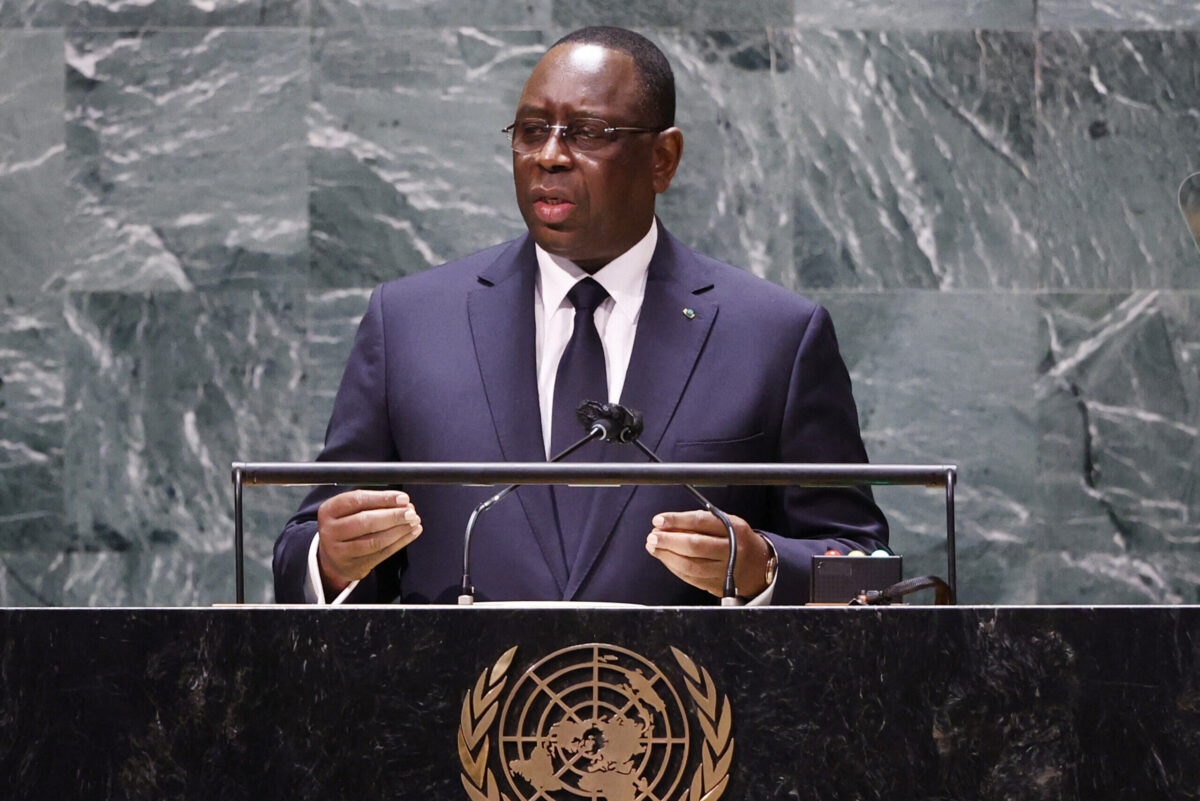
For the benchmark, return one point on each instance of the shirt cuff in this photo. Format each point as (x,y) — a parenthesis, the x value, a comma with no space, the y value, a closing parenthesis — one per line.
(314,591)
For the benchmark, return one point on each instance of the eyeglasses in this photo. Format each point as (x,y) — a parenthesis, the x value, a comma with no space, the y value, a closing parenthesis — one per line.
(584,135)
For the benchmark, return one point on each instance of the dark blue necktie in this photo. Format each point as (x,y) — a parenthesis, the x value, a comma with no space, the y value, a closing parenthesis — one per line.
(581,372)
(581,376)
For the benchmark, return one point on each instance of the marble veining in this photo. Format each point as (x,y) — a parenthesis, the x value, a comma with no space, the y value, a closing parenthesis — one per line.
(1127,101)
(401,179)
(432,13)
(333,320)
(165,574)
(139,14)
(691,15)
(164,390)
(1124,15)
(731,195)
(31,428)
(1118,400)
(945,378)
(32,201)
(186,158)
(197,197)
(31,13)
(914,161)
(917,14)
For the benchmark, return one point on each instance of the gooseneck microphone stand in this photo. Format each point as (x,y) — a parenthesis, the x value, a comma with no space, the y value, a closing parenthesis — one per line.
(630,430)
(626,426)
(729,596)
(599,427)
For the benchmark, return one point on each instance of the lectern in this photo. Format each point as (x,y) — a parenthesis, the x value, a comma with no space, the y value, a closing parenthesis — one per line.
(458,703)
(607,704)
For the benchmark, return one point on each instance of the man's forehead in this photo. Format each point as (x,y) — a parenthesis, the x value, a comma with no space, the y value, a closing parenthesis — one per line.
(582,74)
(586,57)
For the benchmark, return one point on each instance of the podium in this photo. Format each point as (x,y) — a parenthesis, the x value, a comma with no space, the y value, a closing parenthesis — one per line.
(814,703)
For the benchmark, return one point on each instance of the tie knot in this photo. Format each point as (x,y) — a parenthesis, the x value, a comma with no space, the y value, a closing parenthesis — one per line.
(587,294)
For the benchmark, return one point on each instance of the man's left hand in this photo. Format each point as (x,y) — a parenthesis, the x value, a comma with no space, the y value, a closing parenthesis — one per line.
(695,546)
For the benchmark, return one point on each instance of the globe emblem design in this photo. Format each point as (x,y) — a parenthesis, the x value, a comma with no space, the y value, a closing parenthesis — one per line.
(594,721)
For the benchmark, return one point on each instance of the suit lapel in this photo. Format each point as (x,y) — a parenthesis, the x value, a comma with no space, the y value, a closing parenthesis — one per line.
(500,311)
(665,350)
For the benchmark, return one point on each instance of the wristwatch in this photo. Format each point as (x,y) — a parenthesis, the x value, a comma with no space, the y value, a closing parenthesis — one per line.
(772,560)
(772,565)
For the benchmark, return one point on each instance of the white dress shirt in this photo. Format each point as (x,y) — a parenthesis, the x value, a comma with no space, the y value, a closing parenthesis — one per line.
(624,278)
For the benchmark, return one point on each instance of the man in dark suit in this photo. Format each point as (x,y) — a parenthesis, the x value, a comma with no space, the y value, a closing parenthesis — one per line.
(477,360)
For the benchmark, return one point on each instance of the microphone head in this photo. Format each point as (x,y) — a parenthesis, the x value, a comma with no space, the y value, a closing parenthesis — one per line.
(631,425)
(589,411)
(620,424)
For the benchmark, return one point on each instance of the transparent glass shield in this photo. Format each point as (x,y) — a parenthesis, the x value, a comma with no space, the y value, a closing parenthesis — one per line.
(1189,203)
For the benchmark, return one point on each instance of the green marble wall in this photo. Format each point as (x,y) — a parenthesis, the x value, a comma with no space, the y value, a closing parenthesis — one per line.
(196,198)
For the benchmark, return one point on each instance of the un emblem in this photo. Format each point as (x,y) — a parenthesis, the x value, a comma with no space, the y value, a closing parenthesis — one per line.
(594,721)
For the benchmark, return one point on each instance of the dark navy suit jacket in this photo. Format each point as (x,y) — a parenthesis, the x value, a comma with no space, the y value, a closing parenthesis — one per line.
(443,369)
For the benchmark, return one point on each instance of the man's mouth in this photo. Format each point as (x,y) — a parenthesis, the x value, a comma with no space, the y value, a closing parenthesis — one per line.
(551,209)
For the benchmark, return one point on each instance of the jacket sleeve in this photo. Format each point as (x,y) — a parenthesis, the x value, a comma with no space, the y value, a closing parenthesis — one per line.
(820,425)
(359,430)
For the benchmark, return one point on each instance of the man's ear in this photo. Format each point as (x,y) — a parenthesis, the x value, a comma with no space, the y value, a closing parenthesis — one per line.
(668,150)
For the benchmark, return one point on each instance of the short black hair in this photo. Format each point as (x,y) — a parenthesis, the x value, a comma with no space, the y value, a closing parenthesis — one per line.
(657,81)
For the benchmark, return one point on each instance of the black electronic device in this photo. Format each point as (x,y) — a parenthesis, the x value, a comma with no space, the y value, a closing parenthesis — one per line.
(841,579)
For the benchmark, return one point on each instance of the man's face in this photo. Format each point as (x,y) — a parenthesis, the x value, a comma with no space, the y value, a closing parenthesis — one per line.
(590,208)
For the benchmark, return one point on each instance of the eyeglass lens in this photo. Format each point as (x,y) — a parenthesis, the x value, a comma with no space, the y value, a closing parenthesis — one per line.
(582,135)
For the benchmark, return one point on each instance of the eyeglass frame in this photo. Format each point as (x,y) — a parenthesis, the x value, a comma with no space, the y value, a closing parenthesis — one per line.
(510,132)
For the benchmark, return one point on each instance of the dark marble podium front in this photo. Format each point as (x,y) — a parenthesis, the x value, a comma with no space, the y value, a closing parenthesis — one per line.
(827,703)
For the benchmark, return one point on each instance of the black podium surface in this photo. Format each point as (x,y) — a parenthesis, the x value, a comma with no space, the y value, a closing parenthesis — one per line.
(799,703)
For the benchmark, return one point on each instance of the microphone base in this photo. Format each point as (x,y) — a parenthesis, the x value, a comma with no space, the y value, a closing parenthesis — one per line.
(466,600)
(734,601)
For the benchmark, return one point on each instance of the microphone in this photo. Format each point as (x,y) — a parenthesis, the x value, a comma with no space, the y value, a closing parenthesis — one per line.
(607,421)
(623,424)
(729,591)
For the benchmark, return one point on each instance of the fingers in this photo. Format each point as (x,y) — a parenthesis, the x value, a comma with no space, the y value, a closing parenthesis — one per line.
(707,574)
(375,541)
(368,522)
(695,547)
(348,503)
(696,520)
(705,547)
(400,543)
(361,528)
(692,545)
(343,562)
(358,512)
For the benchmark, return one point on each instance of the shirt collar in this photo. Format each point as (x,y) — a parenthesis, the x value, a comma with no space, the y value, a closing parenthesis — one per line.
(624,278)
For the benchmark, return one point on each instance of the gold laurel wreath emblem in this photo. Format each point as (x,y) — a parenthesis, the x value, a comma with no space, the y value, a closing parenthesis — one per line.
(479,713)
(710,779)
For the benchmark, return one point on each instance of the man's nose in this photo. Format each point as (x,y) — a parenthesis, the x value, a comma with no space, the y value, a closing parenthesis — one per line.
(554,153)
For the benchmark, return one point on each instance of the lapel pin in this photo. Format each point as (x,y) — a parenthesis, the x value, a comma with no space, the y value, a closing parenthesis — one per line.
(689,313)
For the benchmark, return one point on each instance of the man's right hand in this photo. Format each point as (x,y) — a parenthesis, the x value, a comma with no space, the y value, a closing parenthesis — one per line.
(358,530)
